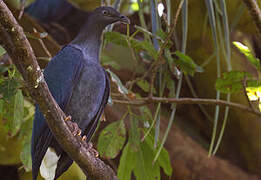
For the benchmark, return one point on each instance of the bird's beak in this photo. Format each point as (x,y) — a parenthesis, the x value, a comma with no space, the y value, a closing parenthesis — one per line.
(124,19)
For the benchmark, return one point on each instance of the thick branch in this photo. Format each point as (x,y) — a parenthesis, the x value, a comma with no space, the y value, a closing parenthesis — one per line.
(19,49)
(255,12)
(144,101)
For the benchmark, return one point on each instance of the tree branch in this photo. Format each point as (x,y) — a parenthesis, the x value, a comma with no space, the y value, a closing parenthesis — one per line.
(254,12)
(19,49)
(149,100)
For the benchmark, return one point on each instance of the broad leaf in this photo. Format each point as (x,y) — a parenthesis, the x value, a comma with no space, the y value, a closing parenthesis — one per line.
(231,82)
(134,134)
(120,39)
(112,139)
(121,88)
(25,134)
(107,60)
(186,64)
(144,168)
(1,109)
(249,55)
(25,156)
(8,88)
(127,163)
(163,159)
(145,86)
(2,51)
(18,113)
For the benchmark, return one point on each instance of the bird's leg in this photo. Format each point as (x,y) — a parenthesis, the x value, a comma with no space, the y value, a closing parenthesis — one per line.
(84,138)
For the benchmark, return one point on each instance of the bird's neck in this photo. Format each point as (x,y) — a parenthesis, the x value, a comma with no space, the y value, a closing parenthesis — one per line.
(89,40)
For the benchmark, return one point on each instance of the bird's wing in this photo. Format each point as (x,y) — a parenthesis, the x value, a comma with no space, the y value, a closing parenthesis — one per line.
(89,131)
(89,125)
(61,74)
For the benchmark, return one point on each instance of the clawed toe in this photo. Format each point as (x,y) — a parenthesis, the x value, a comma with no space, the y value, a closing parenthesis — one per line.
(68,118)
(84,138)
(92,150)
(76,130)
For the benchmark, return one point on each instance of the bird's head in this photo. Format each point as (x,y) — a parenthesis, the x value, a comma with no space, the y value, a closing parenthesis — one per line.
(108,15)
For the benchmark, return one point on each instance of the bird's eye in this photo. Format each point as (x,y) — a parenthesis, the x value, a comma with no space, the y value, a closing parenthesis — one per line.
(104,12)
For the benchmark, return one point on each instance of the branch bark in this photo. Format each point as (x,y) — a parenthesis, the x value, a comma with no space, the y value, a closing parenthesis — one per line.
(254,12)
(149,100)
(14,41)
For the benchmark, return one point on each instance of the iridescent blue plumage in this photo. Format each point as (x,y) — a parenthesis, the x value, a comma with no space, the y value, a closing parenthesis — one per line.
(79,85)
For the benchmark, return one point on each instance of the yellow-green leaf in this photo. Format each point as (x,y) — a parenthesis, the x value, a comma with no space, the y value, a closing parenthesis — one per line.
(112,139)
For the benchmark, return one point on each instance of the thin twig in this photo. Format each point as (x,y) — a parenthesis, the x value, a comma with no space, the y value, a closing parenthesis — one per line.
(43,45)
(133,54)
(22,9)
(149,100)
(244,83)
(160,58)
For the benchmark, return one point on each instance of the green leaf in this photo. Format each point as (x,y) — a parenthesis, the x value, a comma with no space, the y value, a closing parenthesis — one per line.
(145,86)
(231,82)
(107,60)
(249,55)
(121,88)
(13,113)
(139,160)
(25,156)
(2,51)
(25,134)
(1,108)
(18,113)
(164,162)
(163,159)
(120,39)
(185,63)
(127,163)
(144,168)
(134,135)
(172,66)
(146,116)
(8,88)
(112,139)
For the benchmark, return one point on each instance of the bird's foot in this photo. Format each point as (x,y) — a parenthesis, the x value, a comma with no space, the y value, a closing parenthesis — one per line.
(84,138)
(93,151)
(74,128)
(68,118)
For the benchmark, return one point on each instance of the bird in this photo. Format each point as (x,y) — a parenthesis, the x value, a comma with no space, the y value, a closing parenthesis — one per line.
(61,14)
(80,86)
(48,11)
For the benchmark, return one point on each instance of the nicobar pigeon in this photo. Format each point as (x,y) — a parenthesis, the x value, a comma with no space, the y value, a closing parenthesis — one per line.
(80,86)
(59,13)
(48,11)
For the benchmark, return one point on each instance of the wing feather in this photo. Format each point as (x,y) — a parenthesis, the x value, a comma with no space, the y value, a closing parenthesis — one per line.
(60,74)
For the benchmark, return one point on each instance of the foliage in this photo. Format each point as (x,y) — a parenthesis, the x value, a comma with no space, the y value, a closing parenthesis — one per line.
(246,51)
(233,81)
(135,137)
(16,112)
(112,139)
